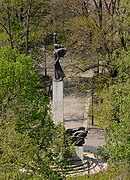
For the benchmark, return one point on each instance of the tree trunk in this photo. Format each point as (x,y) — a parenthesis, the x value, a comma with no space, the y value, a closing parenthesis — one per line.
(9,28)
(27,29)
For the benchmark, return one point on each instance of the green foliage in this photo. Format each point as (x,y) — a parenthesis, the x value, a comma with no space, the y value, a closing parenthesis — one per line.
(112,173)
(94,36)
(20,22)
(31,145)
(115,112)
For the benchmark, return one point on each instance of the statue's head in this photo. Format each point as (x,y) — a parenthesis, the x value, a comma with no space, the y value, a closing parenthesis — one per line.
(54,34)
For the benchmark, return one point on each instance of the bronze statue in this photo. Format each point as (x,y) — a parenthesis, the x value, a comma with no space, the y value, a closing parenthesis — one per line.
(77,135)
(59,52)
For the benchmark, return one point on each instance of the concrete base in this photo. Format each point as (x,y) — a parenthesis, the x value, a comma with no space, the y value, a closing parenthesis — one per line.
(78,153)
(58,106)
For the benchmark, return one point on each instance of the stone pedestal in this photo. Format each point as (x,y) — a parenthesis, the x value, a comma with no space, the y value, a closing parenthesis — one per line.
(58,106)
(78,153)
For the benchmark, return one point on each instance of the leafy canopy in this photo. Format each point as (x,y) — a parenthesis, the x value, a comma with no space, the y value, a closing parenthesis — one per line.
(30,142)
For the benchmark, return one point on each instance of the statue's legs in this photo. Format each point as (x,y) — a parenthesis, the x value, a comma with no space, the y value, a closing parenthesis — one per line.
(59,74)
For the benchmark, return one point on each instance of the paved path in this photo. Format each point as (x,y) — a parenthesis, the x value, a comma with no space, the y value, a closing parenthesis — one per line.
(76,115)
(95,137)
(76,111)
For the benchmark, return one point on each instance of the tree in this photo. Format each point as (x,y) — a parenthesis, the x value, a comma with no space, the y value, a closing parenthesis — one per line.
(93,31)
(115,113)
(20,22)
(28,135)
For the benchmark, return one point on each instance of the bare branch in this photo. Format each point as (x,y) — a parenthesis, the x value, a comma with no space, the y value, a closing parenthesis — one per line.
(4,27)
(4,95)
(107,6)
(92,66)
(95,4)
(95,21)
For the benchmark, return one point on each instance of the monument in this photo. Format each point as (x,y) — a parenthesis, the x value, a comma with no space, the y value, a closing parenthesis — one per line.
(58,105)
(77,135)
